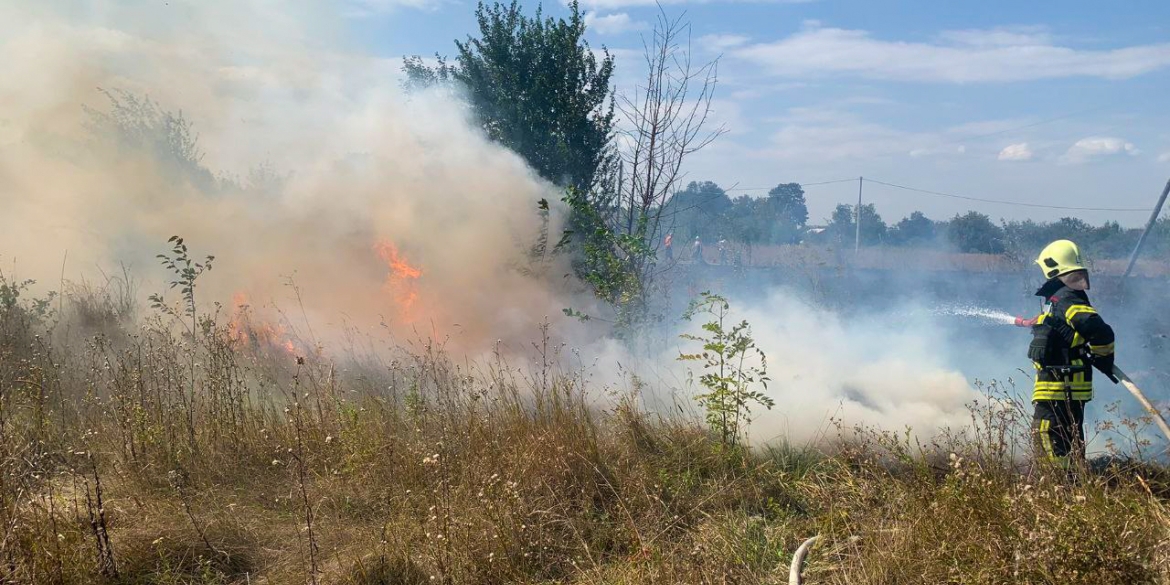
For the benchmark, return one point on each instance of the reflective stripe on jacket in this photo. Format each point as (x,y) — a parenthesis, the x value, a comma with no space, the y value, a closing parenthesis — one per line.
(1067,375)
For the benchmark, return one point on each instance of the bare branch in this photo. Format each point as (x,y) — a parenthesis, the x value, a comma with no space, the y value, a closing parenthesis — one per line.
(666,120)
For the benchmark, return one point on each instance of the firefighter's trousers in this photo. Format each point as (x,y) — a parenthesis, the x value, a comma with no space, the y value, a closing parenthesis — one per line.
(1058,430)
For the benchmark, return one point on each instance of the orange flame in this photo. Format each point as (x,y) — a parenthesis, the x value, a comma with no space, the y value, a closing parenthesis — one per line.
(253,334)
(237,327)
(400,279)
(399,268)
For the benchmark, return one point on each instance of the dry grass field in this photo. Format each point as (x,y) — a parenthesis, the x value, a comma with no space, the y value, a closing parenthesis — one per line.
(133,451)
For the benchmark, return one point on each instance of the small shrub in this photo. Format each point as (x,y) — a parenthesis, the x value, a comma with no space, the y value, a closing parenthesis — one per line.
(732,366)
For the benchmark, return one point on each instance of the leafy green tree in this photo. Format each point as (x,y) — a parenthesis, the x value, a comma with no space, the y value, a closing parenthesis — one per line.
(1159,236)
(604,261)
(697,210)
(1073,228)
(786,213)
(747,223)
(787,199)
(1021,239)
(1113,241)
(1024,238)
(914,230)
(779,218)
(974,232)
(537,88)
(136,124)
(420,76)
(842,228)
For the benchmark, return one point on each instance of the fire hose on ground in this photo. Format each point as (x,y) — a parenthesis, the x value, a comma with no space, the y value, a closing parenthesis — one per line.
(798,557)
(1137,393)
(798,560)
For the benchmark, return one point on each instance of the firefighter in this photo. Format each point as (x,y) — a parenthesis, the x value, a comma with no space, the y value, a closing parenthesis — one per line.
(1069,339)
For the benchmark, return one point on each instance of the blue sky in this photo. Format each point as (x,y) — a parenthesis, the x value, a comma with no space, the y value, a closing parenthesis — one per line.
(1048,103)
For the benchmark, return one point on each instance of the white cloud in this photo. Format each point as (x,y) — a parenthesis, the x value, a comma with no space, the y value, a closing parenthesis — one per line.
(750,90)
(371,8)
(1094,147)
(1164,157)
(979,128)
(830,132)
(821,134)
(612,24)
(998,37)
(616,4)
(1016,152)
(945,149)
(996,55)
(723,42)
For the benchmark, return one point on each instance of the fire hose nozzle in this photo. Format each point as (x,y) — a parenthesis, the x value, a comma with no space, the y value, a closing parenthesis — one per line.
(1022,322)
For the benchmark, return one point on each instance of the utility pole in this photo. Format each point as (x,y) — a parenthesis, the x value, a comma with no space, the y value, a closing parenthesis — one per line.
(1149,225)
(857,238)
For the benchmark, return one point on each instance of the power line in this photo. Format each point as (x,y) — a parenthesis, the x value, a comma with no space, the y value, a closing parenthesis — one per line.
(849,180)
(1014,203)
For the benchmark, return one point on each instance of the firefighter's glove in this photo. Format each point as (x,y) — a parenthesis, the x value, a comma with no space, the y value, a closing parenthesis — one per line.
(1041,347)
(1104,363)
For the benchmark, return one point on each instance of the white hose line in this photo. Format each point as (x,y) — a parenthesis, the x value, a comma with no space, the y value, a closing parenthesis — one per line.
(1137,393)
(798,560)
(798,557)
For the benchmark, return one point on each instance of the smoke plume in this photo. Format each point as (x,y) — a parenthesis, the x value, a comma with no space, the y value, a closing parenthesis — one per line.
(381,209)
(312,168)
(855,370)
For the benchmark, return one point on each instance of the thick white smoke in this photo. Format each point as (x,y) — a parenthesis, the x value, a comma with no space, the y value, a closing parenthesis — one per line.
(893,369)
(370,177)
(880,370)
(373,179)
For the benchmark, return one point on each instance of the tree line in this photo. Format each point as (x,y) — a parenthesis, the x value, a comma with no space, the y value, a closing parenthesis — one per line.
(704,210)
(975,232)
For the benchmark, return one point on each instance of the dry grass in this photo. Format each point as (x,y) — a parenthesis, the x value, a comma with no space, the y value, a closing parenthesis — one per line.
(417,470)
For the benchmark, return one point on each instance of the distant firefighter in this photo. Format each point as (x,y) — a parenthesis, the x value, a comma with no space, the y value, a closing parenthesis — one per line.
(668,244)
(1069,339)
(697,251)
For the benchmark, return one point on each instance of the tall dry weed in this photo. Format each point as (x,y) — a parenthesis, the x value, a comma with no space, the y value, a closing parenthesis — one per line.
(414,468)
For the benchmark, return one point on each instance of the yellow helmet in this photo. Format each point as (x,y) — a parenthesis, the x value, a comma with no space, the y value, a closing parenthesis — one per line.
(1059,258)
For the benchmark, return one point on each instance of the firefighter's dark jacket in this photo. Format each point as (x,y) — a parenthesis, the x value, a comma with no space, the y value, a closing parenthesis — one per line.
(1063,339)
